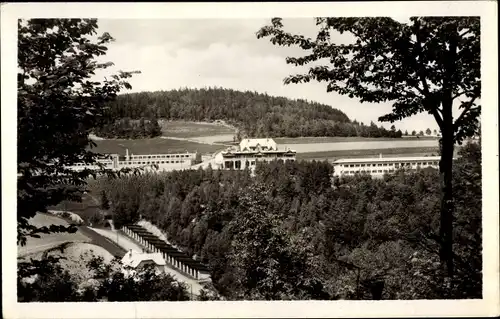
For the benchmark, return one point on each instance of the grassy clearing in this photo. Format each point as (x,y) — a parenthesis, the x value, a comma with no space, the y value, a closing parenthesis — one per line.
(333,155)
(153,146)
(339,139)
(48,241)
(75,258)
(187,129)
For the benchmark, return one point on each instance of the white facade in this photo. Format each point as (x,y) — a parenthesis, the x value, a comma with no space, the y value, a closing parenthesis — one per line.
(164,162)
(381,166)
(251,151)
(134,259)
(137,260)
(108,163)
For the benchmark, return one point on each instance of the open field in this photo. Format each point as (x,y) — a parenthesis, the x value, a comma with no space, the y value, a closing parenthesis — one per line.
(370,153)
(153,146)
(227,139)
(333,155)
(188,129)
(337,139)
(360,145)
(50,241)
(75,258)
(47,241)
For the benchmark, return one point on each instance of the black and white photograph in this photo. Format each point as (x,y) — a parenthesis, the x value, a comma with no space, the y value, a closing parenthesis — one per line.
(202,160)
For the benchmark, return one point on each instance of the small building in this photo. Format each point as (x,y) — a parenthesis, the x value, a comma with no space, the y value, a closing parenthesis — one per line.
(380,166)
(251,151)
(137,260)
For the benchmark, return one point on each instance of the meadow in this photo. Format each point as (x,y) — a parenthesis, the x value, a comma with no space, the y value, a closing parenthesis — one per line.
(48,241)
(187,129)
(156,145)
(369,153)
(359,145)
(340,139)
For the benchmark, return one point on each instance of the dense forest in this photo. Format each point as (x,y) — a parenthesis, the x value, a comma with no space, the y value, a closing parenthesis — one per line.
(127,128)
(254,114)
(293,232)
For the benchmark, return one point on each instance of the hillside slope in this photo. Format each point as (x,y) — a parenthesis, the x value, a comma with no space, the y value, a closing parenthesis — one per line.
(254,114)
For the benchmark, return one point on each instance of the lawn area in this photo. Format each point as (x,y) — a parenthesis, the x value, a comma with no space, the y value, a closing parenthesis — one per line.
(392,152)
(188,129)
(153,146)
(339,139)
(48,241)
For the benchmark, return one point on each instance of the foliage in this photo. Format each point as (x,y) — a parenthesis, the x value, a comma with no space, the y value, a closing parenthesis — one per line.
(424,65)
(104,201)
(246,229)
(269,264)
(417,69)
(126,128)
(146,284)
(58,104)
(45,280)
(255,115)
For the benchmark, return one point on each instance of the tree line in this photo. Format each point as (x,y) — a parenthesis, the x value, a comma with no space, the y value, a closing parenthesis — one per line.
(55,117)
(431,63)
(421,133)
(128,128)
(292,232)
(254,114)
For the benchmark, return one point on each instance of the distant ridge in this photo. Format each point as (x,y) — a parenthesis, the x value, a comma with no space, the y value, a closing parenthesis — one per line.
(254,114)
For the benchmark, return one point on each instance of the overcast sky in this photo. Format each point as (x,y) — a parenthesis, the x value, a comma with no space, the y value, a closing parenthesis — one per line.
(195,53)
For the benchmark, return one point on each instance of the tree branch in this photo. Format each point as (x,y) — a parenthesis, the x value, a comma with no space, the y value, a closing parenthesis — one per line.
(466,110)
(465,32)
(462,93)
(423,79)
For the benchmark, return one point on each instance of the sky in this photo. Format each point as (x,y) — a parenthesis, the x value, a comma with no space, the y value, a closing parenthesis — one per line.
(197,53)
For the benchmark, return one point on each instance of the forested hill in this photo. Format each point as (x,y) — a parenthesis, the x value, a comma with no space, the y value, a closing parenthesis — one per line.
(253,113)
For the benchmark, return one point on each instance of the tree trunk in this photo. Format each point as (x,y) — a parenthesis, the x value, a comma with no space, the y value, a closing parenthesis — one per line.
(447,207)
(446,164)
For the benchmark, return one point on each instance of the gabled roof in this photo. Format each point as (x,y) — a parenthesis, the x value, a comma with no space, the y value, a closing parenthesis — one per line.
(133,258)
(248,143)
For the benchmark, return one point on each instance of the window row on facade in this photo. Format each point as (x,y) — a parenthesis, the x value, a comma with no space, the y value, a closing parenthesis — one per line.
(272,155)
(237,164)
(160,156)
(391,164)
(375,171)
(83,164)
(149,162)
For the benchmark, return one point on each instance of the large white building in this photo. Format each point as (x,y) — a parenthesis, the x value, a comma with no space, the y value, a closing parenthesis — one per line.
(380,166)
(249,152)
(164,162)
